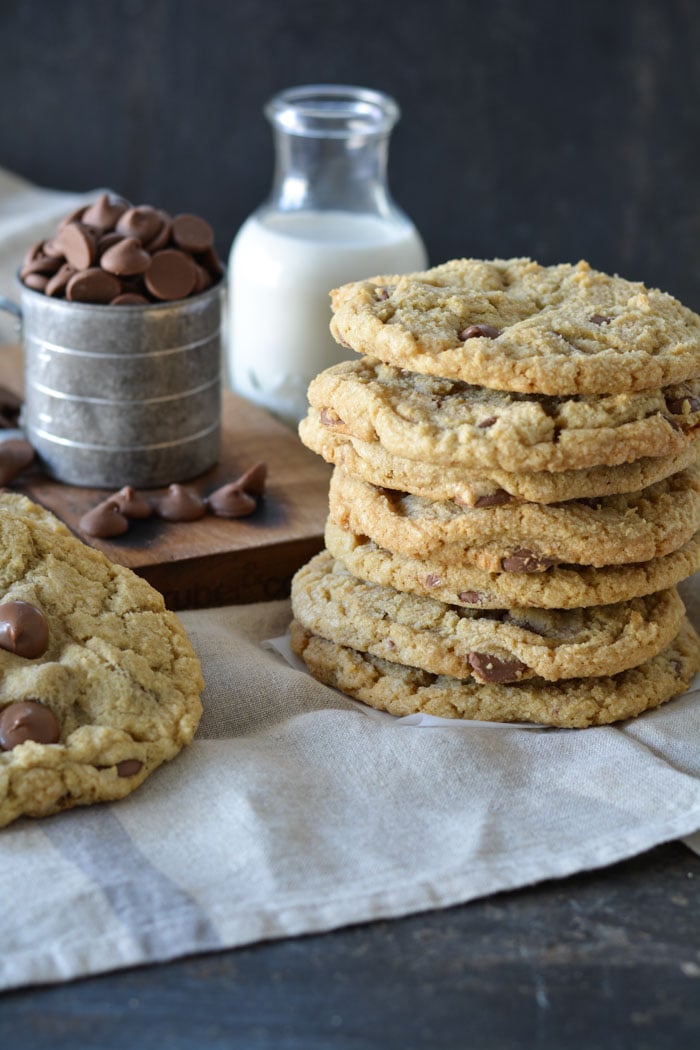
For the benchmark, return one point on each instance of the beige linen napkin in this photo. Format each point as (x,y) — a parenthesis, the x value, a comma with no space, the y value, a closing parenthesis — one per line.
(296,811)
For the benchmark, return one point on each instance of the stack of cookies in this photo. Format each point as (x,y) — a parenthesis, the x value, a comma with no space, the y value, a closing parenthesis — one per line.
(516,495)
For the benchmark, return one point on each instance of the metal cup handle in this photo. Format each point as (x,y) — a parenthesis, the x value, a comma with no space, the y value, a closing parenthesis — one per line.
(11,308)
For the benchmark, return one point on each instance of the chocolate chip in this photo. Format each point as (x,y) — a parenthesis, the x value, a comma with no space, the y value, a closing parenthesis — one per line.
(679,406)
(330,418)
(36,281)
(78,244)
(471,597)
(673,423)
(180,504)
(493,499)
(92,286)
(130,299)
(600,319)
(204,279)
(482,331)
(230,501)
(15,455)
(126,258)
(129,767)
(192,234)
(171,275)
(104,212)
(37,261)
(143,223)
(491,669)
(524,560)
(23,629)
(57,284)
(433,580)
(254,480)
(162,238)
(27,720)
(485,423)
(104,521)
(131,503)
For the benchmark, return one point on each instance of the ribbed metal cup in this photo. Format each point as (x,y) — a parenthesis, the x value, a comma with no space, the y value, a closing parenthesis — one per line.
(118,395)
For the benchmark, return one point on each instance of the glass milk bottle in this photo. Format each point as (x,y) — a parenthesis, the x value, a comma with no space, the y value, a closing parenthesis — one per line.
(329,219)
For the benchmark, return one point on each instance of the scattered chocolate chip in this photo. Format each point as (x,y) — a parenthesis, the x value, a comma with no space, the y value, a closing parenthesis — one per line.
(471,597)
(600,319)
(24,629)
(129,767)
(476,331)
(171,275)
(180,504)
(27,720)
(131,503)
(485,423)
(15,455)
(680,406)
(92,286)
(491,669)
(524,560)
(192,234)
(104,521)
(493,499)
(231,501)
(126,258)
(254,479)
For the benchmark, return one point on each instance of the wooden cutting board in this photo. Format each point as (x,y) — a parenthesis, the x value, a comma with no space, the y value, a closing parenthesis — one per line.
(212,561)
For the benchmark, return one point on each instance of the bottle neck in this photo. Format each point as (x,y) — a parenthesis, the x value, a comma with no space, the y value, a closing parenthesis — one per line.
(323,174)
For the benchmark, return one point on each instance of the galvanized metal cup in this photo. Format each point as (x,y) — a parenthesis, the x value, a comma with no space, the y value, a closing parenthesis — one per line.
(122,395)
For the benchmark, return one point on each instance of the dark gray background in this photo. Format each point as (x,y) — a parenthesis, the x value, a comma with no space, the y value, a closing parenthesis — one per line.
(547,128)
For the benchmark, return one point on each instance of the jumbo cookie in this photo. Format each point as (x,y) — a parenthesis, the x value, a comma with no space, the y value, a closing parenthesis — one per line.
(443,421)
(524,537)
(370,461)
(575,703)
(488,645)
(98,682)
(511,324)
(456,582)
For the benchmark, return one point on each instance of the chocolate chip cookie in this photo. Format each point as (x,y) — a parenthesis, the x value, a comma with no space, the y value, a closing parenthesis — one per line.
(488,645)
(523,537)
(98,681)
(574,703)
(442,421)
(511,324)
(456,582)
(476,487)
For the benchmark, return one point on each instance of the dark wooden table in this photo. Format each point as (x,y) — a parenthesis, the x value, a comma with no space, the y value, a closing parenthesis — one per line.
(608,960)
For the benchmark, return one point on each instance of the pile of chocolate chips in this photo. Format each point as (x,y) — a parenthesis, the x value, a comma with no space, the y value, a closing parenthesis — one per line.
(111,252)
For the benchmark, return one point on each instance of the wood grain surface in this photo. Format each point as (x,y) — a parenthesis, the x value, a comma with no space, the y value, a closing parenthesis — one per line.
(212,561)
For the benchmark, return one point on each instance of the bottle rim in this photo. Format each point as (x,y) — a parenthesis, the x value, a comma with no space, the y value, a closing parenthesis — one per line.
(332,111)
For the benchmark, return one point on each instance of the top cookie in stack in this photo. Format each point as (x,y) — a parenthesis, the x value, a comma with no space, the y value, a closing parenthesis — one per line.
(516,438)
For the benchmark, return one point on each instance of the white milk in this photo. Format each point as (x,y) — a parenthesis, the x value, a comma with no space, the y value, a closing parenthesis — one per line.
(282,267)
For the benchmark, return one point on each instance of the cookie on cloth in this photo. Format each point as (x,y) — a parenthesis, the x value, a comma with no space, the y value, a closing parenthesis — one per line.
(98,681)
(443,421)
(524,537)
(575,703)
(489,645)
(458,583)
(485,487)
(511,324)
